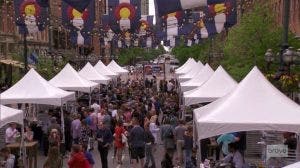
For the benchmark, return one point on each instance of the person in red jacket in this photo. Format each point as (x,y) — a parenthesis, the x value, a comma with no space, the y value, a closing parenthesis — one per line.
(77,159)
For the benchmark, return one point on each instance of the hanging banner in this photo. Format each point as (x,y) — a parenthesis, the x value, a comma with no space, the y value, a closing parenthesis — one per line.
(145,25)
(79,5)
(80,24)
(124,15)
(165,7)
(30,16)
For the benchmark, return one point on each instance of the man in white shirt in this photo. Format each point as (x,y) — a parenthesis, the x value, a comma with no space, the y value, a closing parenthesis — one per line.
(11,133)
(96,107)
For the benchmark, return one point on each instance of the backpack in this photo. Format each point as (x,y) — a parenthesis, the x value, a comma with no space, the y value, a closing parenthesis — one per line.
(169,133)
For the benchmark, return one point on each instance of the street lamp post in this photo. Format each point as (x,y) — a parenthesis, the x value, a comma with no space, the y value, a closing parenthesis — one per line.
(285,44)
(25,52)
(288,58)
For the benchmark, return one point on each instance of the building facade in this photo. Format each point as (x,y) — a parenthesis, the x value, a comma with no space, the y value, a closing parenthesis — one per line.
(294,24)
(145,7)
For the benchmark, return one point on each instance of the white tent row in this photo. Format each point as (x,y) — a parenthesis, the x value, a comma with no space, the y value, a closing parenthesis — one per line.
(69,79)
(193,71)
(34,89)
(255,104)
(9,115)
(199,79)
(90,73)
(103,70)
(114,67)
(218,85)
(186,67)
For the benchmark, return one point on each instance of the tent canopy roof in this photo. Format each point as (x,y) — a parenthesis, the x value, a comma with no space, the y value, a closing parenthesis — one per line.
(32,88)
(255,104)
(103,70)
(69,79)
(90,73)
(218,85)
(9,115)
(194,70)
(113,66)
(186,67)
(198,79)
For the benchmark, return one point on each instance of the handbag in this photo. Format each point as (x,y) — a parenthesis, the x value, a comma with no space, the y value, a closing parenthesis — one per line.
(124,138)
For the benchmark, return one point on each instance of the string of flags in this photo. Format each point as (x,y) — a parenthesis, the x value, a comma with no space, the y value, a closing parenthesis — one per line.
(177,21)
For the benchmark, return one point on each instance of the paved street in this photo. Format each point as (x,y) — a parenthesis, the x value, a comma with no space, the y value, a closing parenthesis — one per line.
(112,163)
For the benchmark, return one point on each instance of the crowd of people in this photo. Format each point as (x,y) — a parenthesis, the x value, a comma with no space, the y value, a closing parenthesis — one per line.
(137,116)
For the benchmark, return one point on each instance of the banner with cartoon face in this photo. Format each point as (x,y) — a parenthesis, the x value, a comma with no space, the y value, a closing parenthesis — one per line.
(30,16)
(79,23)
(124,15)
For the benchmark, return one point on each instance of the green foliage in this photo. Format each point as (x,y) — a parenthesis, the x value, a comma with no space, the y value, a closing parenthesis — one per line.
(199,52)
(247,43)
(130,55)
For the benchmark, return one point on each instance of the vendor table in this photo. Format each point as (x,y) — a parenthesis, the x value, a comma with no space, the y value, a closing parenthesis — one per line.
(31,151)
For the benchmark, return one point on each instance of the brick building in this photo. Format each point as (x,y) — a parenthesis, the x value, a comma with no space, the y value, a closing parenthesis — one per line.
(11,42)
(277,6)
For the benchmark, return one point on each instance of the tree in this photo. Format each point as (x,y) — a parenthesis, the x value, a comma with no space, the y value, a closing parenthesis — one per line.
(130,55)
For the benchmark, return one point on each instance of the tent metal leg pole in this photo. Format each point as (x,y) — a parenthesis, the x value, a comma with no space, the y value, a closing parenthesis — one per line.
(22,145)
(199,152)
(62,124)
(90,99)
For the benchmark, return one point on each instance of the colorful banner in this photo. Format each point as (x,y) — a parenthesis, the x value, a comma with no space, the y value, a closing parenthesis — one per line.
(165,7)
(145,25)
(80,24)
(30,16)
(124,15)
(79,5)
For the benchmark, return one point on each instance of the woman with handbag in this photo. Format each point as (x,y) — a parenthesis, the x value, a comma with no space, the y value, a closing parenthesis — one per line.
(120,140)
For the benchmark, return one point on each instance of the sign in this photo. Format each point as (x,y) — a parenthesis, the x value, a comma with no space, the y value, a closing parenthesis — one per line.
(277,151)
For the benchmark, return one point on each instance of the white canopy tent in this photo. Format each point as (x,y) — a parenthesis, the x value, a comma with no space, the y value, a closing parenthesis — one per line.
(185,64)
(186,67)
(33,88)
(294,165)
(198,80)
(103,70)
(69,79)
(194,70)
(90,73)
(255,104)
(218,85)
(113,66)
(9,115)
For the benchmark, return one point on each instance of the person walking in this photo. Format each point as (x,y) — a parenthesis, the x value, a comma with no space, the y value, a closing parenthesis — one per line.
(75,129)
(54,138)
(104,138)
(137,143)
(77,159)
(188,146)
(85,132)
(179,133)
(167,136)
(149,139)
(54,159)
(119,144)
